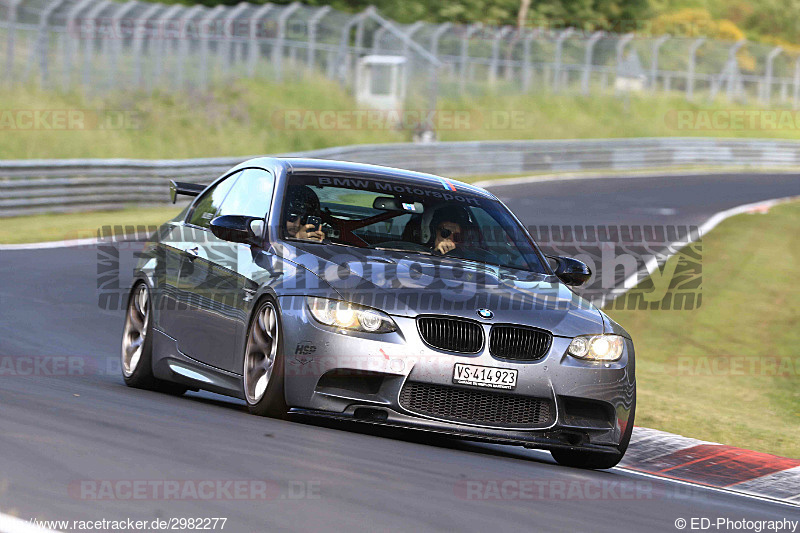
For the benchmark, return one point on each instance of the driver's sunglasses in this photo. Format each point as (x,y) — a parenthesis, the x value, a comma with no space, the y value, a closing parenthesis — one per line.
(449,234)
(291,217)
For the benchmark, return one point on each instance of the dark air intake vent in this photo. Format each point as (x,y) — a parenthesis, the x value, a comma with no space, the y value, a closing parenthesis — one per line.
(474,406)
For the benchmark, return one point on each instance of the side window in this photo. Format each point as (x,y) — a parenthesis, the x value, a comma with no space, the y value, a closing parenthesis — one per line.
(207,206)
(250,196)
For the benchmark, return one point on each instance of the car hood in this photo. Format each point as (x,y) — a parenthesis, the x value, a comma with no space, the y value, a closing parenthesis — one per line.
(407,284)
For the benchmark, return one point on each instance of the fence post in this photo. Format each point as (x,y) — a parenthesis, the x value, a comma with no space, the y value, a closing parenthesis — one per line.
(344,41)
(88,49)
(183,42)
(408,37)
(312,34)
(654,62)
(435,38)
(138,39)
(766,94)
(690,73)
(587,61)
(254,50)
(224,56)
(620,51)
(277,49)
(10,41)
(557,60)
(119,40)
(471,29)
(377,37)
(73,39)
(205,40)
(526,59)
(730,83)
(40,49)
(498,35)
(171,13)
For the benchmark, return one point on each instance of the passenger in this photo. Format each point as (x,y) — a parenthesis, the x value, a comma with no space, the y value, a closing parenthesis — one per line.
(446,228)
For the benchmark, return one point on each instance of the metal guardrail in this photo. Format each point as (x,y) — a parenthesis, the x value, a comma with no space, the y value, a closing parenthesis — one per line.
(40,186)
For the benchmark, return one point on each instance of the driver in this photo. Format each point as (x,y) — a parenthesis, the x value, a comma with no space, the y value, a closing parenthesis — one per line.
(446,228)
(301,203)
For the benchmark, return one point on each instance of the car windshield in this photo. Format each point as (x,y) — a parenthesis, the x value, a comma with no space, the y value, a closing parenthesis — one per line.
(407,217)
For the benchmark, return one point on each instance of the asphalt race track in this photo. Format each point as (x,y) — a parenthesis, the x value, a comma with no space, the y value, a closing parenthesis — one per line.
(59,431)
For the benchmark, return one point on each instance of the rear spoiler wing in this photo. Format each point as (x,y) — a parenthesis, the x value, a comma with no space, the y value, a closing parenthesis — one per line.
(186,189)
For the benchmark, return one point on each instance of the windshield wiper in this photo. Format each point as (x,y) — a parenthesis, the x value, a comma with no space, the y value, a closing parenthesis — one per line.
(403,250)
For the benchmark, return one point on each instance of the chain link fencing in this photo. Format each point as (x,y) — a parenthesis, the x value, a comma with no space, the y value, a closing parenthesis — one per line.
(103,45)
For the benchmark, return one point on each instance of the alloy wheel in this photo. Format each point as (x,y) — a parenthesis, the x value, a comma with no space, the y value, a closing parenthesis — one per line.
(262,349)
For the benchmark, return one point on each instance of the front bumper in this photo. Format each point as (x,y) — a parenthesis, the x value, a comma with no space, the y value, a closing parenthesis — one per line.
(356,376)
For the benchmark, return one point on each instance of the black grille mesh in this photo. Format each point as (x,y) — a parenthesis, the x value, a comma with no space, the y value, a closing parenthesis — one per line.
(451,334)
(473,406)
(522,344)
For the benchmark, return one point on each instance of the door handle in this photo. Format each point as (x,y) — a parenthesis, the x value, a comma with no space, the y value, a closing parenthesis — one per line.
(193,252)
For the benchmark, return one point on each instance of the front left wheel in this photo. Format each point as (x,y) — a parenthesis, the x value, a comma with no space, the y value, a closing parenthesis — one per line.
(262,373)
(598,460)
(137,345)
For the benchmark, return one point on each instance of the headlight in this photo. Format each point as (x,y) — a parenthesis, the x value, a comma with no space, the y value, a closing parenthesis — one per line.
(597,347)
(338,314)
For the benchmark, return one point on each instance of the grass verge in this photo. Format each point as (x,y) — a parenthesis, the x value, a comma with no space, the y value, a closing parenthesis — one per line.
(250,117)
(729,371)
(66,226)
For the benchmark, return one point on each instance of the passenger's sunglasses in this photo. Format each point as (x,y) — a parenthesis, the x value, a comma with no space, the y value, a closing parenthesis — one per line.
(449,234)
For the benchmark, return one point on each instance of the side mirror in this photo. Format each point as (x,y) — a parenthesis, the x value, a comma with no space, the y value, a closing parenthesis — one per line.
(571,271)
(235,228)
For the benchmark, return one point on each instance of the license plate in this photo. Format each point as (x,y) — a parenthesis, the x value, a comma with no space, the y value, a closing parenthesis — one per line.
(484,376)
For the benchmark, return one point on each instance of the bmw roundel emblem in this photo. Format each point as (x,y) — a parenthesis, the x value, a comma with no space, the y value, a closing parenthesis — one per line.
(485,313)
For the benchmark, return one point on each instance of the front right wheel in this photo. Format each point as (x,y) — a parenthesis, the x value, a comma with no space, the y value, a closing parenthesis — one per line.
(262,373)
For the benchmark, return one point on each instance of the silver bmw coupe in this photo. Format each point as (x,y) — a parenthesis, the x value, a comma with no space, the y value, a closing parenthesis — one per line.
(382,296)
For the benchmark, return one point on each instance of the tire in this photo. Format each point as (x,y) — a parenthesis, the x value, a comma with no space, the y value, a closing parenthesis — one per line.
(137,345)
(598,460)
(263,362)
